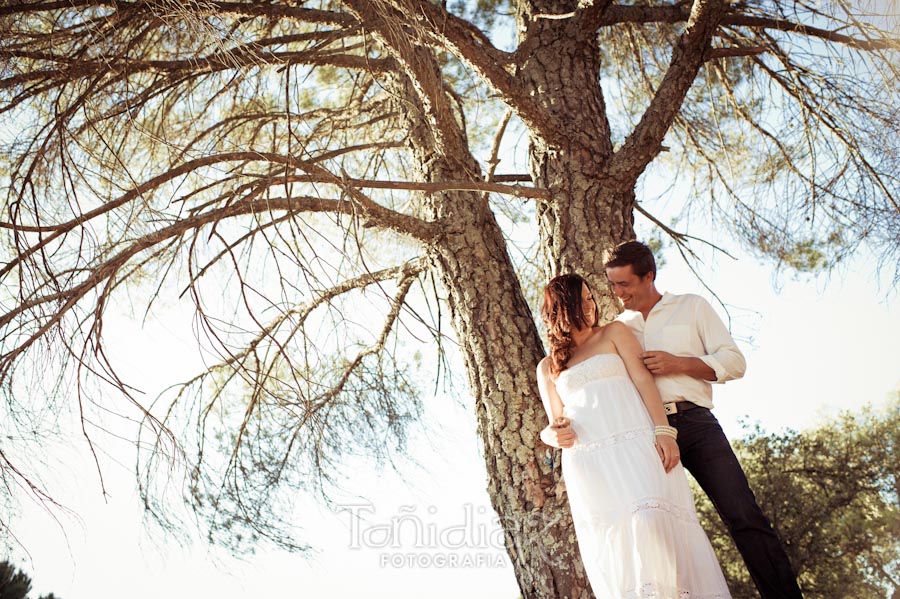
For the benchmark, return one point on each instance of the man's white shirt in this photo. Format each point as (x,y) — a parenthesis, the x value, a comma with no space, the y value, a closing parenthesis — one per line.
(686,325)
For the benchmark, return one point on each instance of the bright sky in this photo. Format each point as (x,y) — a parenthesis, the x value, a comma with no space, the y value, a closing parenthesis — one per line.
(814,346)
(812,349)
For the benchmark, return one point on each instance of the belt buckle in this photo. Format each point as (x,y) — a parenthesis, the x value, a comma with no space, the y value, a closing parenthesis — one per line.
(670,408)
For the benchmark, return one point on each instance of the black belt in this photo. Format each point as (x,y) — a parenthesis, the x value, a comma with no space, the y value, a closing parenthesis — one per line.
(677,407)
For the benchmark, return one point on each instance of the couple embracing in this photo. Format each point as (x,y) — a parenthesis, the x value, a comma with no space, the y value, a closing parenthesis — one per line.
(629,404)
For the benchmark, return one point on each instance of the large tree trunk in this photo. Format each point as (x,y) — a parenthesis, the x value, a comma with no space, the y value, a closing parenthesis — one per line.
(579,231)
(501,348)
(589,211)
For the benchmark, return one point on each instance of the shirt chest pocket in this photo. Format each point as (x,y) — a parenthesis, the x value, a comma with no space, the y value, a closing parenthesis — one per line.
(677,339)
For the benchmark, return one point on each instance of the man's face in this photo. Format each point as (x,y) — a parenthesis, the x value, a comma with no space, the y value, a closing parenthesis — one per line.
(633,291)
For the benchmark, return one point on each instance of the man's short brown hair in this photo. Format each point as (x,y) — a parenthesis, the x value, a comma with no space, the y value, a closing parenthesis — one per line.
(636,254)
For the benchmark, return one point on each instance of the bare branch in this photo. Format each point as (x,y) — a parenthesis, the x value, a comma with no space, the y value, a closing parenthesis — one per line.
(494,160)
(645,142)
(302,14)
(377,214)
(420,66)
(680,238)
(679,13)
(299,314)
(473,48)
(438,187)
(231,59)
(718,53)
(68,298)
(816,32)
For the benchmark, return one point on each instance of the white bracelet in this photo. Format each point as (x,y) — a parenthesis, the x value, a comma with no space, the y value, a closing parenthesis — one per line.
(669,431)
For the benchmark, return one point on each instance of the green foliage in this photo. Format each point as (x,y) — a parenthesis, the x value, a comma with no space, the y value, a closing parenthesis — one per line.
(833,496)
(15,584)
(807,255)
(656,243)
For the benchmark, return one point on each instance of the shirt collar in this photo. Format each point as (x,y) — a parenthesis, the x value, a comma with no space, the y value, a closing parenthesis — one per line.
(666,298)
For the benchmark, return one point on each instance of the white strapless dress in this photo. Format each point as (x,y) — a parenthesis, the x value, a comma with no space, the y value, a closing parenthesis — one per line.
(636,525)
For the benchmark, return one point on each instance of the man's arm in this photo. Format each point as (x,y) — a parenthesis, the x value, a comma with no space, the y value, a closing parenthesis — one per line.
(723,361)
(722,353)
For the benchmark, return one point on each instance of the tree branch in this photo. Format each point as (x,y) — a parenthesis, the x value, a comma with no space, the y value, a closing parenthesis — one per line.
(408,274)
(199,66)
(618,13)
(645,142)
(306,15)
(473,48)
(404,271)
(717,53)
(63,301)
(375,213)
(824,34)
(420,66)
(406,282)
(437,187)
(678,237)
(494,160)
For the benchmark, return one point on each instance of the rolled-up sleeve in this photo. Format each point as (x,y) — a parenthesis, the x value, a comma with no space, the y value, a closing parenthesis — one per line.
(721,352)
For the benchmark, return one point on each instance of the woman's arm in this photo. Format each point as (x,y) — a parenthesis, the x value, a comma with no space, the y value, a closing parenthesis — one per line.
(630,351)
(554,436)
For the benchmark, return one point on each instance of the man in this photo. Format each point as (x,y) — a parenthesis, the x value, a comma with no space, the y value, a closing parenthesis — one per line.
(687,347)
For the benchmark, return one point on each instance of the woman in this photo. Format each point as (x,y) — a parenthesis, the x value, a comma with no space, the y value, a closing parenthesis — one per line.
(634,514)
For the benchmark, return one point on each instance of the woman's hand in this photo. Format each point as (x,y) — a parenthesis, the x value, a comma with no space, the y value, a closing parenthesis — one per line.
(668,451)
(559,434)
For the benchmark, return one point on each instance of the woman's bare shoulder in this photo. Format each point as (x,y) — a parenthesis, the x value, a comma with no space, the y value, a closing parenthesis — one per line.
(615,325)
(613,328)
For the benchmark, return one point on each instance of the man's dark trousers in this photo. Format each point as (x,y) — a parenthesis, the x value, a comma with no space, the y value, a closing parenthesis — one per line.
(707,455)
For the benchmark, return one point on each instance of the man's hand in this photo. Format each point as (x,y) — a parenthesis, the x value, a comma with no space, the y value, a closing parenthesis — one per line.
(559,435)
(662,363)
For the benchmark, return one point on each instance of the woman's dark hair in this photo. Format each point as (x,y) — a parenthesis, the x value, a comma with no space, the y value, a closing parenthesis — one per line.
(636,254)
(561,313)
